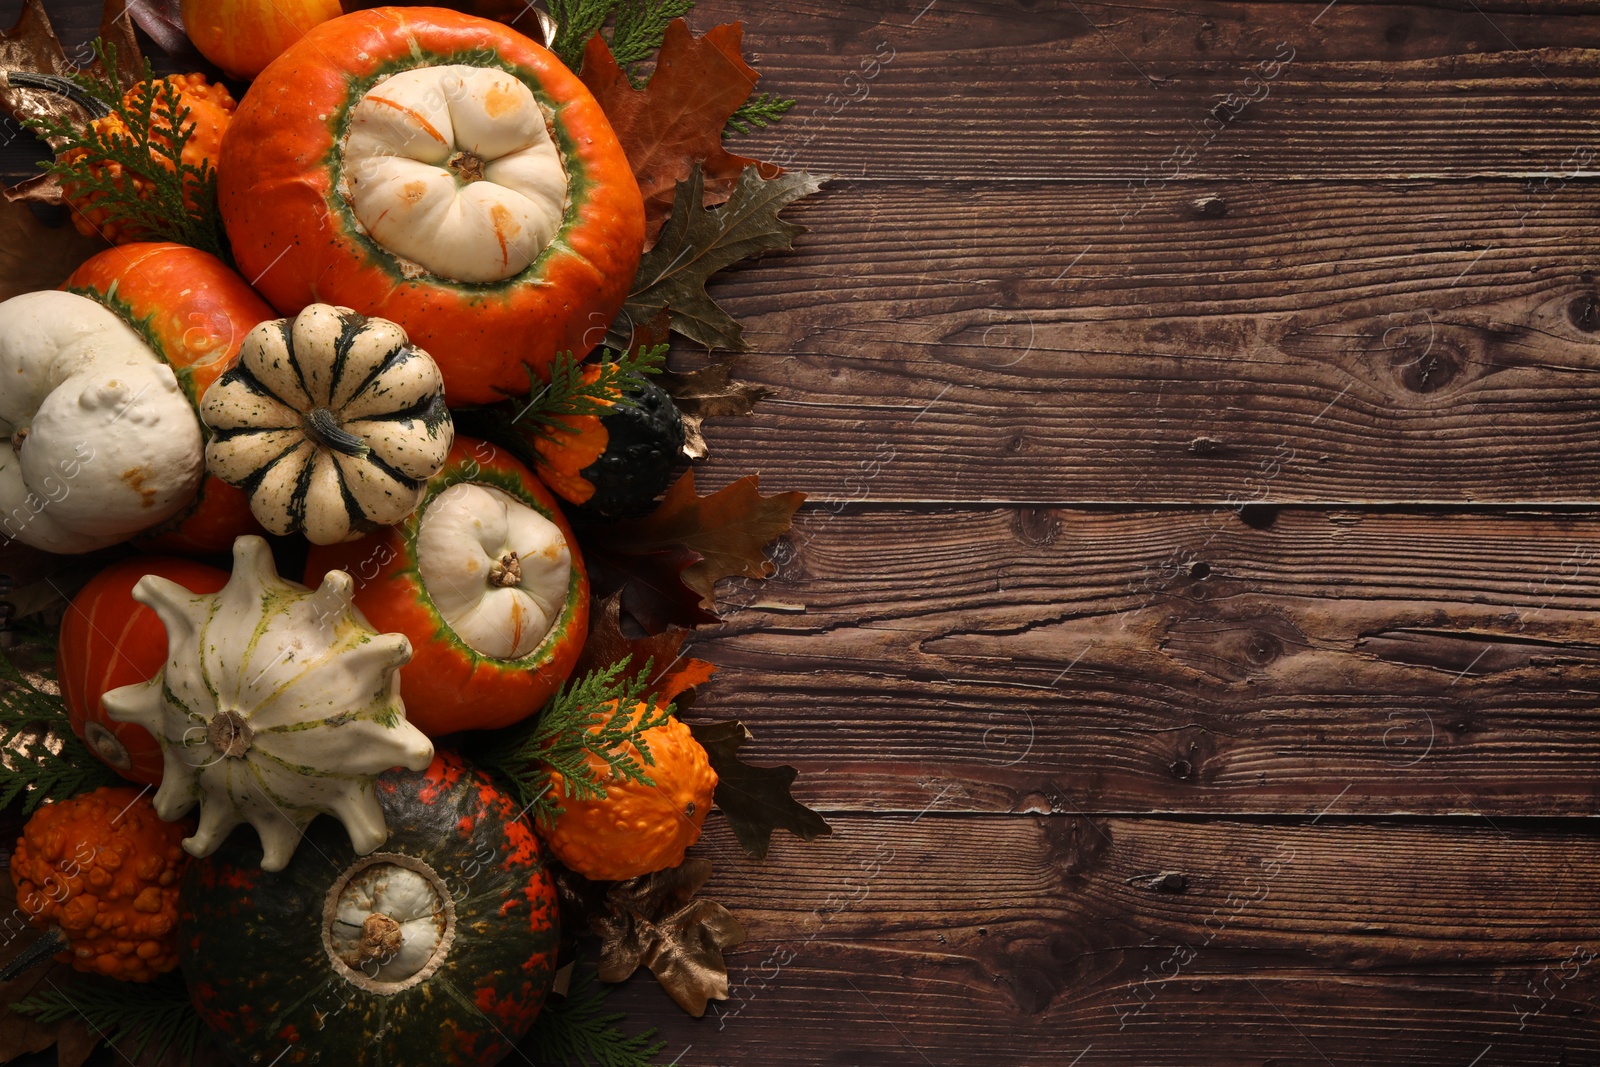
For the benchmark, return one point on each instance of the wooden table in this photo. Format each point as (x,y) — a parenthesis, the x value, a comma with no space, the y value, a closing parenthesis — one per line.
(1192,632)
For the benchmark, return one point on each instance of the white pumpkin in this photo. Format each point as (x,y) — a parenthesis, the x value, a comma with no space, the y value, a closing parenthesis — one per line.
(276,704)
(103,443)
(497,571)
(453,169)
(332,422)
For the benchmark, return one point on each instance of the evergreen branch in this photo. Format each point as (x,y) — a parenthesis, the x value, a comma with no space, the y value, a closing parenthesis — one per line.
(132,1017)
(569,395)
(593,719)
(138,178)
(640,28)
(762,109)
(41,756)
(576,1030)
(577,21)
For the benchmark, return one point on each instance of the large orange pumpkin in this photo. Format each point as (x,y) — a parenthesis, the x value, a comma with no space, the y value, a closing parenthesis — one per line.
(441,171)
(194,311)
(486,580)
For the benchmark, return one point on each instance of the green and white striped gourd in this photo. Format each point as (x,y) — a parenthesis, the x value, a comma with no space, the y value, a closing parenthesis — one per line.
(332,422)
(276,704)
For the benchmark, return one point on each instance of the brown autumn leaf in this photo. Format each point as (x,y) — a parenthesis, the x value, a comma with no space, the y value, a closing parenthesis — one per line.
(35,256)
(19,1034)
(31,47)
(710,392)
(677,119)
(756,800)
(671,671)
(650,584)
(163,21)
(730,529)
(656,922)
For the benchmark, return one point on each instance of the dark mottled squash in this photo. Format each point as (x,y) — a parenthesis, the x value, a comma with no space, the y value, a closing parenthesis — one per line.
(439,948)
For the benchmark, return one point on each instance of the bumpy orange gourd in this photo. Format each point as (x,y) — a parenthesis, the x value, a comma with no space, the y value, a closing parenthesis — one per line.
(210,110)
(104,869)
(637,829)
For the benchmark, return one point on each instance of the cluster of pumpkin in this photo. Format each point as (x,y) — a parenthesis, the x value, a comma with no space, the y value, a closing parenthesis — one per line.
(437,207)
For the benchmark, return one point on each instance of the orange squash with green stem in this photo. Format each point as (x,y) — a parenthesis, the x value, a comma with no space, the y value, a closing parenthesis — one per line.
(486,580)
(446,173)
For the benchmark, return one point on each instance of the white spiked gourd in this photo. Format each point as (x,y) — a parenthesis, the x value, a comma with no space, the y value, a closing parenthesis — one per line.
(103,443)
(332,422)
(277,703)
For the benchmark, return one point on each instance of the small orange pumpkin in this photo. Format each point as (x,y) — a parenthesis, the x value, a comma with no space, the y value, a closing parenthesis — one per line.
(243,36)
(103,869)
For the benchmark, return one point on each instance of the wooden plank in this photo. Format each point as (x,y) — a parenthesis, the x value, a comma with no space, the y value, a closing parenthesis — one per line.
(981,90)
(947,940)
(1291,342)
(1054,660)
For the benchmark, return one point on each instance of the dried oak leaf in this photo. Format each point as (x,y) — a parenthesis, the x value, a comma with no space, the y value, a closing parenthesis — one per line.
(655,922)
(671,671)
(650,584)
(696,243)
(710,392)
(35,256)
(19,1034)
(31,47)
(730,529)
(677,119)
(756,800)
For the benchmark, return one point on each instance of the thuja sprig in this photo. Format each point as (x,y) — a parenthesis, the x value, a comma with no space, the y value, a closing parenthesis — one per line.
(595,719)
(762,109)
(132,1017)
(570,393)
(637,29)
(576,1029)
(42,758)
(132,168)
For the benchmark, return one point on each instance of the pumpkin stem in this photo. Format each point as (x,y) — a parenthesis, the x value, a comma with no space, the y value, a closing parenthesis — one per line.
(55,83)
(467,166)
(229,734)
(507,572)
(17,439)
(52,942)
(380,940)
(324,430)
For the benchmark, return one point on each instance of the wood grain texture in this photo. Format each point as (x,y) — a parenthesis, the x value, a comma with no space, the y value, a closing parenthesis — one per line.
(1024,941)
(1292,342)
(1011,89)
(1070,660)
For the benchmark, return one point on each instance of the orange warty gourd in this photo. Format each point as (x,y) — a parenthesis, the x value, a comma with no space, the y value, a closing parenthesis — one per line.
(243,36)
(104,870)
(210,110)
(637,829)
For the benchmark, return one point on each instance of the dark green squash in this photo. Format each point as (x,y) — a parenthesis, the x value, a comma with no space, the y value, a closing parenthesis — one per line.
(644,445)
(282,972)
